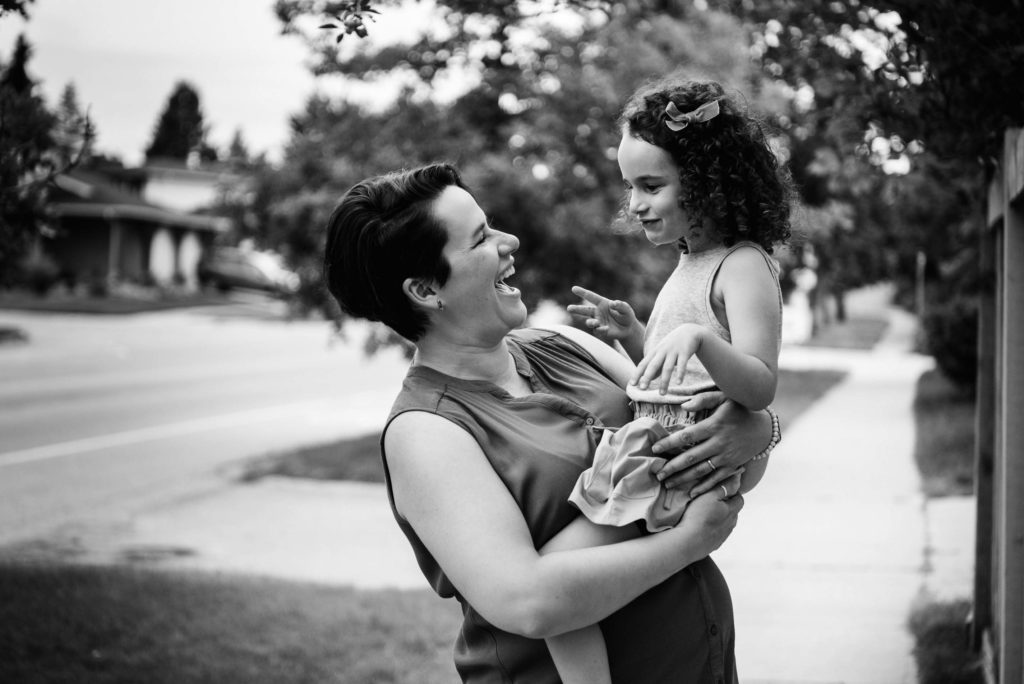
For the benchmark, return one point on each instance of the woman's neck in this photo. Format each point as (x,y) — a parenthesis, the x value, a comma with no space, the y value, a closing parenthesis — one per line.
(468,361)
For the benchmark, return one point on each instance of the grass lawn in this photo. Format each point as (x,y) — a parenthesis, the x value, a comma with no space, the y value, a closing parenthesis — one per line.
(103,625)
(941,648)
(111,304)
(944,452)
(944,448)
(856,332)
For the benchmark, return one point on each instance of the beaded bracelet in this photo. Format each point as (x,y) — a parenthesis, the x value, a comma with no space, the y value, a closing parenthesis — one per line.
(776,436)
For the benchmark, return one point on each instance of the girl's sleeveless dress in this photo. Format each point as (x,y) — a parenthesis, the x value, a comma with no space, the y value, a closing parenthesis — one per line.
(620,487)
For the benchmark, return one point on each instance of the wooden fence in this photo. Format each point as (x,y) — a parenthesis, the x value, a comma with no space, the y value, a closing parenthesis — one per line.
(998,618)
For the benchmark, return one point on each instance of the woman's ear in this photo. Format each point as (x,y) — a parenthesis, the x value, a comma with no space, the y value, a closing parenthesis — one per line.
(420,292)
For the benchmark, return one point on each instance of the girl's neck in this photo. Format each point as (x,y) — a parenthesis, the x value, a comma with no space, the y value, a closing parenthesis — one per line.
(702,239)
(704,243)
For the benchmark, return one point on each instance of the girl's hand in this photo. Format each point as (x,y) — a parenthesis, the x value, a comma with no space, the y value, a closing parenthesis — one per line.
(714,448)
(667,362)
(608,319)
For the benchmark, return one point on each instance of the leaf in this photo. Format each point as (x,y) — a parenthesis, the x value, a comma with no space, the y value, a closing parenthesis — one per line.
(338,39)
(328,26)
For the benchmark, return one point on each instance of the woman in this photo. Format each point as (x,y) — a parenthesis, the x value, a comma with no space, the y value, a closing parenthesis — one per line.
(491,429)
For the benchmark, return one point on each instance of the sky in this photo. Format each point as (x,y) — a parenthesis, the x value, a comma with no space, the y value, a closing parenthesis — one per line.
(126,56)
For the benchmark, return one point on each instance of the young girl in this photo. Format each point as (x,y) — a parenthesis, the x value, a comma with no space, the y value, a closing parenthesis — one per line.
(700,175)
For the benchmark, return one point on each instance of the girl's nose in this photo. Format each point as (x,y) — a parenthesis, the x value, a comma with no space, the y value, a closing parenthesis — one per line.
(635,203)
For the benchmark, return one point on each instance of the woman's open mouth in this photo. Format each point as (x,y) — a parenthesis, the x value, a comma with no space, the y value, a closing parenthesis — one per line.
(501,286)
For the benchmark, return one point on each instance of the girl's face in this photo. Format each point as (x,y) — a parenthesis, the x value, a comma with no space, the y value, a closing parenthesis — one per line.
(652,182)
(475,296)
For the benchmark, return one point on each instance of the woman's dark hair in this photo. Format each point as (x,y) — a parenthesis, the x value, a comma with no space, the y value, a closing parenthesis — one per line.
(727,170)
(382,232)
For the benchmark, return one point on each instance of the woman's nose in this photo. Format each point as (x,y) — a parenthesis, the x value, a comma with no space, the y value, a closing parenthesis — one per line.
(509,243)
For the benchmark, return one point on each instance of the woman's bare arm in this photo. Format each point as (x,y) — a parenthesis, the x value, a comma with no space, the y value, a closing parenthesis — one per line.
(445,487)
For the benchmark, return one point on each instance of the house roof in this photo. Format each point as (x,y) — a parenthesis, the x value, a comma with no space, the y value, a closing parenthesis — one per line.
(89,194)
(207,172)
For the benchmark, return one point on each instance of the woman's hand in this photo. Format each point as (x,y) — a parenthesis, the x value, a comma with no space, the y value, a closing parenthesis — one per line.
(608,319)
(715,448)
(711,516)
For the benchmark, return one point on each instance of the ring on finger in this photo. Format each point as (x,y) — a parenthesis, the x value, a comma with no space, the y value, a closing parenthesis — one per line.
(710,465)
(725,491)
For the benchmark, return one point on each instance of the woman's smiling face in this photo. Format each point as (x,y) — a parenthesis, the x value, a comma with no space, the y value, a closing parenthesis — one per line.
(480,257)
(652,180)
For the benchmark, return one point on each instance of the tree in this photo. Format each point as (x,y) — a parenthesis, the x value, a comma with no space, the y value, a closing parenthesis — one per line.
(238,151)
(15,6)
(180,130)
(923,71)
(72,128)
(25,162)
(535,139)
(877,79)
(35,146)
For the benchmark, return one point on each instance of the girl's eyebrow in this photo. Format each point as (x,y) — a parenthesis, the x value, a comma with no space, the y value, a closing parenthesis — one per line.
(645,178)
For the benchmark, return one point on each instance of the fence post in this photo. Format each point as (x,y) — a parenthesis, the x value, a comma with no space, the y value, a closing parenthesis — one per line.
(1008,476)
(984,438)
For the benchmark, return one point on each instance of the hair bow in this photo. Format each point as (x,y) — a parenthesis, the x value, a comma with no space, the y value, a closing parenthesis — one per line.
(678,120)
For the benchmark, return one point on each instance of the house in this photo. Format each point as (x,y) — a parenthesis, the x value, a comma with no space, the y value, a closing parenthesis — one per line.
(186,186)
(105,230)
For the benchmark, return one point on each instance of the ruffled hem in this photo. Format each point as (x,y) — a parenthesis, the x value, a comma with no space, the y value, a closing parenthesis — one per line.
(620,487)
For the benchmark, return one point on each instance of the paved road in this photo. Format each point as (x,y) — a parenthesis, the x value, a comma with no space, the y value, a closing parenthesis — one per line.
(109,413)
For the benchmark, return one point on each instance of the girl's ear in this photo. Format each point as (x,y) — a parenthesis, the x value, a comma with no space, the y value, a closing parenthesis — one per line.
(420,292)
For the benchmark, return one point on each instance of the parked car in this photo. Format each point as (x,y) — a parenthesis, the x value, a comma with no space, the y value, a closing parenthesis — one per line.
(227,268)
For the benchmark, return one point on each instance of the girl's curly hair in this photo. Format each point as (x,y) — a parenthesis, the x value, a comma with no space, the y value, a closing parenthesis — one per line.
(727,170)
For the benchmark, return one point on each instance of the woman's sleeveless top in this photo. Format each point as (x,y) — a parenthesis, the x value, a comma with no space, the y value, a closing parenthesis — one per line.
(679,631)
(686,298)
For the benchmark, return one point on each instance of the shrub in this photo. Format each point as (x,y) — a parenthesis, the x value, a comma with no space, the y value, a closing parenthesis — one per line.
(941,646)
(951,336)
(39,273)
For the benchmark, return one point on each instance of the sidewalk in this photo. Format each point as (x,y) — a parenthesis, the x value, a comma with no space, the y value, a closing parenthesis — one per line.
(831,553)
(837,544)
